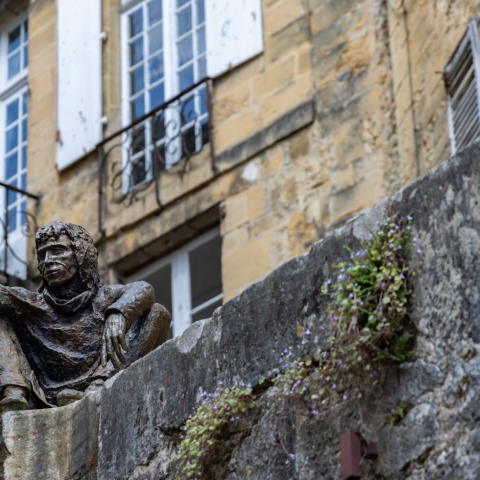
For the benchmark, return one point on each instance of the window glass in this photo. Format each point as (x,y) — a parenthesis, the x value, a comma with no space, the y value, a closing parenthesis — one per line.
(184,21)
(200,12)
(161,281)
(136,22)
(17,50)
(206,272)
(154,11)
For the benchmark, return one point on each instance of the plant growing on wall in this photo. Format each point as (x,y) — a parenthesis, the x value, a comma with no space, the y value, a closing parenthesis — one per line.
(365,323)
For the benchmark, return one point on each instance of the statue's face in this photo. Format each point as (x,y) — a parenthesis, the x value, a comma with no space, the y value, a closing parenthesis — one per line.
(56,261)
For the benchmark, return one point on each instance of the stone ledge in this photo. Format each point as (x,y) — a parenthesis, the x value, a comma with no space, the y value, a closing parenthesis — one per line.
(129,430)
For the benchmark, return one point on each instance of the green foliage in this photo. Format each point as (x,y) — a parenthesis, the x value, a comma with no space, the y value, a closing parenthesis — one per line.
(205,427)
(365,323)
(395,415)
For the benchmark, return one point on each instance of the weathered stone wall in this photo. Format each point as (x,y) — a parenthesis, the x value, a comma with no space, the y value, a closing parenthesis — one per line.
(130,429)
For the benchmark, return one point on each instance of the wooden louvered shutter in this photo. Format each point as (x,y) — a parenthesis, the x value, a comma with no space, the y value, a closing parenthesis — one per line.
(462,80)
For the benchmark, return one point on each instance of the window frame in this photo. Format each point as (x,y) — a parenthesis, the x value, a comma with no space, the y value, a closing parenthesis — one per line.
(16,87)
(182,310)
(470,39)
(6,84)
(171,89)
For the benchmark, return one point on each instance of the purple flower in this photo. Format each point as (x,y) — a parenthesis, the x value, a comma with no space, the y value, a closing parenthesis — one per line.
(344,397)
(322,328)
(351,295)
(292,456)
(182,436)
(409,218)
(232,419)
(419,251)
(220,382)
(414,239)
(409,228)
(334,385)
(391,245)
(308,332)
(249,385)
(314,412)
(399,247)
(389,264)
(329,281)
(397,227)
(402,276)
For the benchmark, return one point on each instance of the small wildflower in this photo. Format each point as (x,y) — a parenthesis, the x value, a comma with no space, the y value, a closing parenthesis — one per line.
(419,251)
(409,218)
(314,412)
(391,245)
(344,397)
(308,332)
(414,240)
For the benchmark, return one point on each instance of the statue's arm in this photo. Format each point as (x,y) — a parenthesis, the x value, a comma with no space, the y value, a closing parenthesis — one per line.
(132,301)
(7,298)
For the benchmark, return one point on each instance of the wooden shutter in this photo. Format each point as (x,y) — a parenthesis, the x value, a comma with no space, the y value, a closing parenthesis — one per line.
(234,33)
(79,79)
(462,80)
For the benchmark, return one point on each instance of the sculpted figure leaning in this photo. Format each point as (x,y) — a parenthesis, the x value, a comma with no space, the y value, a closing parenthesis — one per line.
(75,333)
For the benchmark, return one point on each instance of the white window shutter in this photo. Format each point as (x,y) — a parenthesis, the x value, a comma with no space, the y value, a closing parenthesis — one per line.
(79,79)
(234,33)
(462,80)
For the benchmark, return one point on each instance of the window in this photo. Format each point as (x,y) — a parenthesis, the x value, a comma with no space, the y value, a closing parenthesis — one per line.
(189,282)
(17,50)
(164,53)
(13,140)
(462,80)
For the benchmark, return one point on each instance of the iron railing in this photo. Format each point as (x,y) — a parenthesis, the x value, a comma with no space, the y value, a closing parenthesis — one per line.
(171,132)
(27,228)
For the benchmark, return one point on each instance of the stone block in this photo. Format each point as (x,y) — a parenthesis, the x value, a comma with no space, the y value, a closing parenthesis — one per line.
(255,202)
(286,99)
(327,38)
(231,104)
(273,163)
(290,189)
(348,143)
(247,264)
(237,77)
(278,75)
(304,59)
(325,67)
(282,14)
(236,129)
(287,40)
(328,12)
(357,54)
(299,144)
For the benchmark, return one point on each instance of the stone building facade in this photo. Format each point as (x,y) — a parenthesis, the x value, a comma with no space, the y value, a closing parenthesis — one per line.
(344,103)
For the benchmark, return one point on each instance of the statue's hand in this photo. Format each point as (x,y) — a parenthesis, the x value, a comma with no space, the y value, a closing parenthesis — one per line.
(114,340)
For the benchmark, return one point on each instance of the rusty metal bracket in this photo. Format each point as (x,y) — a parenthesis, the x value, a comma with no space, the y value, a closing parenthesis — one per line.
(354,450)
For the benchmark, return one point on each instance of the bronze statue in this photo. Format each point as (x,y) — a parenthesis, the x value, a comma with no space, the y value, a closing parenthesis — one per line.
(71,336)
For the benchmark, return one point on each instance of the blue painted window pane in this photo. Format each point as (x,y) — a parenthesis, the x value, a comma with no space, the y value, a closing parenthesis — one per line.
(14,39)
(157,96)
(12,112)
(136,51)
(12,219)
(11,139)
(24,103)
(25,56)
(187,109)
(184,21)
(200,11)
(155,39)
(202,68)
(155,68)
(137,81)
(25,34)
(154,12)
(11,165)
(185,50)
(24,157)
(139,172)
(23,182)
(201,45)
(12,196)
(181,2)
(136,22)
(202,97)
(23,215)
(138,107)
(13,65)
(185,77)
(24,130)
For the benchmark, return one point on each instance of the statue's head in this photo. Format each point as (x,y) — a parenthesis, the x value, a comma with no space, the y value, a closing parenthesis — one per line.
(64,251)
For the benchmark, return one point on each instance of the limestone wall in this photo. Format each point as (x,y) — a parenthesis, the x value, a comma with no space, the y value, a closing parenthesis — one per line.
(130,429)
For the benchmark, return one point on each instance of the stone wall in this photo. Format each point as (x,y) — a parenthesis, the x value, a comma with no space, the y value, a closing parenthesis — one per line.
(130,429)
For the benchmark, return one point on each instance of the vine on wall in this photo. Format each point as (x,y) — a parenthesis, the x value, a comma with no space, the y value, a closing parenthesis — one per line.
(366,323)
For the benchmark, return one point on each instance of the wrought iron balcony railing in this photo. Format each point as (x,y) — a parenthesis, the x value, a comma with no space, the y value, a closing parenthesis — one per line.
(16,222)
(136,154)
